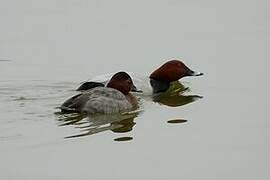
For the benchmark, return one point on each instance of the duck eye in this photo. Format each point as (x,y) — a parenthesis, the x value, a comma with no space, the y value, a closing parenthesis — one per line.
(129,81)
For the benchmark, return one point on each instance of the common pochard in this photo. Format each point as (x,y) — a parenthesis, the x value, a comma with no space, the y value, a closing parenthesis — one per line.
(114,98)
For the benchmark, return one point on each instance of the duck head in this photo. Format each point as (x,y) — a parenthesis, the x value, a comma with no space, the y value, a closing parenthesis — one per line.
(172,71)
(122,82)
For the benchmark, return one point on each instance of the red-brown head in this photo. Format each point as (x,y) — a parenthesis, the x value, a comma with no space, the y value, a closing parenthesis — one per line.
(122,82)
(172,71)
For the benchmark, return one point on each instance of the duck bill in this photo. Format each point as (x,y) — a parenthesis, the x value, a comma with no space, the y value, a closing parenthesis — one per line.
(194,73)
(134,89)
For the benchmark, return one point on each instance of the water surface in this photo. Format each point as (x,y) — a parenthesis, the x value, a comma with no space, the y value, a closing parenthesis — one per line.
(47,48)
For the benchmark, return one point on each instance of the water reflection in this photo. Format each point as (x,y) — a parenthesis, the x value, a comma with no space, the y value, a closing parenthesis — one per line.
(123,123)
(124,139)
(176,121)
(89,125)
(174,96)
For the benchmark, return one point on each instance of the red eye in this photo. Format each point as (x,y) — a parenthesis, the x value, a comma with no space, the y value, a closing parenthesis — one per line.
(129,81)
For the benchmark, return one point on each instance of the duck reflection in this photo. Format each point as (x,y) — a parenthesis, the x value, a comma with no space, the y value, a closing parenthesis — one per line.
(123,123)
(90,125)
(174,96)
(176,121)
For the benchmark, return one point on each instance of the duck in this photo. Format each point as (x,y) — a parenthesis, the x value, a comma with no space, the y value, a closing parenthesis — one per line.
(159,80)
(115,97)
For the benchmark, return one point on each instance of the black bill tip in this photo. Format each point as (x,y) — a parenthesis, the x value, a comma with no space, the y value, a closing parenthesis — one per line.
(194,73)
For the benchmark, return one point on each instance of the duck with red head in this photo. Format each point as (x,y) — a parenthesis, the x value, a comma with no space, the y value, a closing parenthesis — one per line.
(158,81)
(122,82)
(114,98)
(173,71)
(169,72)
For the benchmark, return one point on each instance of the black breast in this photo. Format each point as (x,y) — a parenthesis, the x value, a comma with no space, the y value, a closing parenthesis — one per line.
(159,86)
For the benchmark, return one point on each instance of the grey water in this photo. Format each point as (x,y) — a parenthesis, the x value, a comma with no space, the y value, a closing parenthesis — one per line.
(47,48)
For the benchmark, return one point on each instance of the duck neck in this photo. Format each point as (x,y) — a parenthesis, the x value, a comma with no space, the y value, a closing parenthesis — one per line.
(159,86)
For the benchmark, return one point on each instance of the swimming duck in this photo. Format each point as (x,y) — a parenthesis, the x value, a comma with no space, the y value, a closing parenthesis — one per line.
(158,81)
(114,98)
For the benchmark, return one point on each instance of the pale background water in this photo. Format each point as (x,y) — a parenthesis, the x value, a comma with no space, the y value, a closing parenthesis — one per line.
(48,47)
